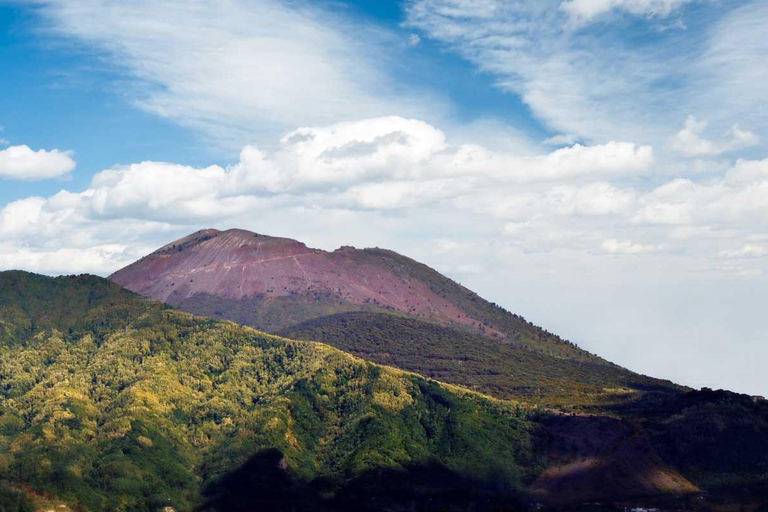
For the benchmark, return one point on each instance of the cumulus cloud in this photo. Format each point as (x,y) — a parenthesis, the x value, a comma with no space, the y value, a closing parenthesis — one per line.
(690,142)
(738,200)
(22,163)
(576,198)
(379,164)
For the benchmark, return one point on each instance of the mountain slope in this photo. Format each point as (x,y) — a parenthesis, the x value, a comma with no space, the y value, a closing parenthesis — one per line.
(29,303)
(126,404)
(272,283)
(469,359)
(349,296)
(158,410)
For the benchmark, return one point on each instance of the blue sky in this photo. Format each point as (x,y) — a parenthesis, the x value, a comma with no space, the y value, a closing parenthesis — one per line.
(62,94)
(589,152)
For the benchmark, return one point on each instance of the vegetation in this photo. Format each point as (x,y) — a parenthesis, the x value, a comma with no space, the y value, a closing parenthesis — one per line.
(109,401)
(469,359)
(717,438)
(270,314)
(516,329)
(14,500)
(113,402)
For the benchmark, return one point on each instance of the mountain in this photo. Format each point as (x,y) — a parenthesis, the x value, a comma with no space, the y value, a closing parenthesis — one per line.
(128,405)
(382,306)
(110,401)
(475,361)
(272,283)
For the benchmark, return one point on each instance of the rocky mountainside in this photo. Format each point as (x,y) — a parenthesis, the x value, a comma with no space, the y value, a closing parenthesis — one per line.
(382,306)
(273,283)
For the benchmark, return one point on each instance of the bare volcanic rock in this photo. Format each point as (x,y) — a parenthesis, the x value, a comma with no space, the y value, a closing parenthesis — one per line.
(275,283)
(237,265)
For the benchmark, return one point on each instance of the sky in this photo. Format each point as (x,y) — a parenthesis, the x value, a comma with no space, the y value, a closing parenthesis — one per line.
(598,166)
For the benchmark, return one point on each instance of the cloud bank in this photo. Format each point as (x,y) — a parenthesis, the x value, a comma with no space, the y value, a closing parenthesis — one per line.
(577,198)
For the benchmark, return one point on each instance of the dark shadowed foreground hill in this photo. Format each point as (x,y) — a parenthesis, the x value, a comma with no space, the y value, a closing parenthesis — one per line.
(382,306)
(109,401)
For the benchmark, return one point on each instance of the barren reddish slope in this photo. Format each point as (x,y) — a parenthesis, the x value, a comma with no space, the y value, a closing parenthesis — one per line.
(236,264)
(274,283)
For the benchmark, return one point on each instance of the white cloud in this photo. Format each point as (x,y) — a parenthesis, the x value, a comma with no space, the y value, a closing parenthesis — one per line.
(747,251)
(561,140)
(576,198)
(585,10)
(391,147)
(379,164)
(240,68)
(690,142)
(4,142)
(22,163)
(595,84)
(737,201)
(577,162)
(610,158)
(614,246)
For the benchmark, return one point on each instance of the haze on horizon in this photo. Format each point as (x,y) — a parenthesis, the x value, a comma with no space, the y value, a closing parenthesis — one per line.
(599,167)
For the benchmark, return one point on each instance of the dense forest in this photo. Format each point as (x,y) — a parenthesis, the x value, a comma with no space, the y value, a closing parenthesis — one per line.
(469,359)
(128,405)
(110,401)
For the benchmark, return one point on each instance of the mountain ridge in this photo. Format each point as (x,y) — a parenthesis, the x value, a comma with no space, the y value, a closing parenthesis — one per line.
(278,267)
(239,265)
(281,286)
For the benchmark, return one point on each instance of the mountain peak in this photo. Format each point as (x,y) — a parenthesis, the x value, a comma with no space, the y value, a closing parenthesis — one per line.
(238,265)
(272,283)
(213,239)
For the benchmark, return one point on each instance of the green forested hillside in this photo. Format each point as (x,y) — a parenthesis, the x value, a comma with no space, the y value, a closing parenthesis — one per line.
(127,405)
(30,303)
(466,358)
(109,401)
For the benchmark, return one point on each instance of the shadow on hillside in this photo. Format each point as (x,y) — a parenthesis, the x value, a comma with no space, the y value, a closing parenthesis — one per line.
(718,439)
(263,483)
